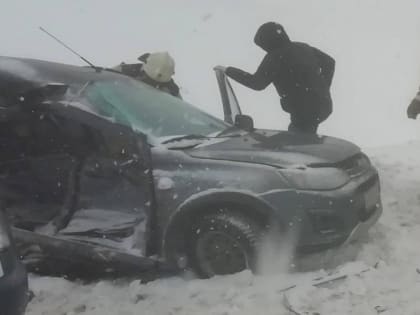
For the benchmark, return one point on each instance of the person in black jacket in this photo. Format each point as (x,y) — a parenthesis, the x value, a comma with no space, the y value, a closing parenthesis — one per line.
(414,108)
(156,69)
(301,74)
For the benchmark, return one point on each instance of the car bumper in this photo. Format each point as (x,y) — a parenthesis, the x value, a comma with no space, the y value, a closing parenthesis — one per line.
(13,285)
(326,219)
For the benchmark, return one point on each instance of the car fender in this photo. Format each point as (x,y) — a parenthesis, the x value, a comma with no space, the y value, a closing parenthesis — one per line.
(201,203)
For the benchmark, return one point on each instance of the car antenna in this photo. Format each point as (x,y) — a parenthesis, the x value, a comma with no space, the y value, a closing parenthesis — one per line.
(98,69)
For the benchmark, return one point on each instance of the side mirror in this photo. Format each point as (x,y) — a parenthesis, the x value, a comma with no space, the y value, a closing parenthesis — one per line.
(244,122)
(47,91)
(54,90)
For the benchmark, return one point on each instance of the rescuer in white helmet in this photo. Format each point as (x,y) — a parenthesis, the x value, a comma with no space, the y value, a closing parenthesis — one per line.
(156,70)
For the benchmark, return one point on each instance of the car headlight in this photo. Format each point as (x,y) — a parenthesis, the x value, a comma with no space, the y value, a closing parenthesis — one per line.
(4,234)
(364,161)
(309,178)
(356,165)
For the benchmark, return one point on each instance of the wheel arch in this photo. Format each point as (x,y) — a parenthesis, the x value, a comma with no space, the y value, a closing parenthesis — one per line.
(173,244)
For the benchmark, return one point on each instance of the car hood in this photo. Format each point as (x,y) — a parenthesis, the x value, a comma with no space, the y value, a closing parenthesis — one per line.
(278,148)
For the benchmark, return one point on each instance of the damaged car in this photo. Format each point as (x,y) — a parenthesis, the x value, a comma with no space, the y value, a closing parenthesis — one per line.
(104,169)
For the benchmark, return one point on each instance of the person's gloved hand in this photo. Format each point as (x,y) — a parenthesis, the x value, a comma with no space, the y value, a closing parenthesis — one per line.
(220,68)
(413,109)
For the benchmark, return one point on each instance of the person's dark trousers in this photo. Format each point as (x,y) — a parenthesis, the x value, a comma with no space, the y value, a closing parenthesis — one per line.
(299,125)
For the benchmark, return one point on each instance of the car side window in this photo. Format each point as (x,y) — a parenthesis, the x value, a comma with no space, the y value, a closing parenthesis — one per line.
(53,134)
(25,133)
(37,133)
(13,133)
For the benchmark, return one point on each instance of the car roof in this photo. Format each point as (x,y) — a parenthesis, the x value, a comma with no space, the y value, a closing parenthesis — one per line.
(22,73)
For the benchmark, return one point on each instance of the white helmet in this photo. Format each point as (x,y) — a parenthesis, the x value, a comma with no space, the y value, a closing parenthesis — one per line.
(160,67)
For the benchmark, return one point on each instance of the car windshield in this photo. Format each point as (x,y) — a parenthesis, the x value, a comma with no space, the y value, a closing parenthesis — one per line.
(150,111)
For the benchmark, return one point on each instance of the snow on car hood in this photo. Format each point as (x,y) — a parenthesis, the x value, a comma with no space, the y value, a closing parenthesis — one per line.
(278,148)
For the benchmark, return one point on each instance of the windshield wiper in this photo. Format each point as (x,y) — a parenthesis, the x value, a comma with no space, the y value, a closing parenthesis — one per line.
(186,137)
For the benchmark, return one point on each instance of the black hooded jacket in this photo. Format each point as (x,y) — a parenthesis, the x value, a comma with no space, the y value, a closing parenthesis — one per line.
(301,74)
(413,109)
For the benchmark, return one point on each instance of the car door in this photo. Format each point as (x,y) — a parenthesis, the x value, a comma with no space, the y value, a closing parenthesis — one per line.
(114,187)
(34,166)
(230,103)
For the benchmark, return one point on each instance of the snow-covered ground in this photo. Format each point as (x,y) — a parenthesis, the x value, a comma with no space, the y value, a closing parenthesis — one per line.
(391,286)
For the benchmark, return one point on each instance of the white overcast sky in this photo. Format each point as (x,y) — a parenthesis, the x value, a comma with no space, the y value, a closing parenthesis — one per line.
(376,44)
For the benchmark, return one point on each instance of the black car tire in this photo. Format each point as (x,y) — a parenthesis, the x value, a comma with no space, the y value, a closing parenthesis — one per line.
(222,244)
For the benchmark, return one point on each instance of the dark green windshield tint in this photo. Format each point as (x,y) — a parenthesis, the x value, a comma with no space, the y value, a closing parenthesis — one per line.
(148,110)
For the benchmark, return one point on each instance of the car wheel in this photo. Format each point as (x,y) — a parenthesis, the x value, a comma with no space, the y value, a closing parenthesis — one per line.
(223,244)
